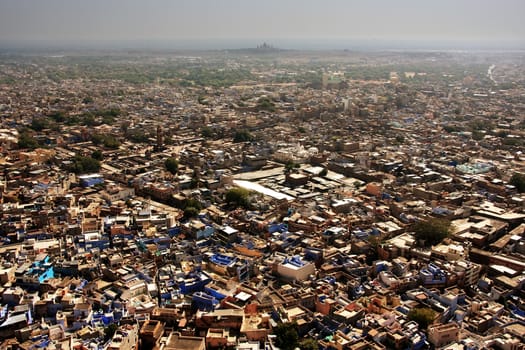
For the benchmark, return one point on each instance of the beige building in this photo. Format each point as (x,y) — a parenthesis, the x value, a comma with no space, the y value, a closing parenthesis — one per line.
(295,269)
(443,334)
(125,338)
(176,341)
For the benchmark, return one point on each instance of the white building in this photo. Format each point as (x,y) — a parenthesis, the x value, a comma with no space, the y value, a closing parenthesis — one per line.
(295,269)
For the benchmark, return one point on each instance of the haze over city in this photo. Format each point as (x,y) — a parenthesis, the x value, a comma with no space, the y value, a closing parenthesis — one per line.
(291,23)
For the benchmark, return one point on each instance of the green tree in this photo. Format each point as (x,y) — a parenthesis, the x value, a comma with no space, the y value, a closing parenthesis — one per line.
(27,141)
(452,128)
(290,165)
(109,331)
(309,344)
(83,164)
(190,212)
(478,135)
(72,120)
(88,119)
(518,180)
(242,136)
(423,316)
(39,124)
(265,104)
(108,120)
(87,99)
(512,141)
(206,132)
(172,165)
(432,230)
(109,141)
(58,117)
(113,112)
(97,154)
(136,136)
(190,202)
(286,336)
(400,139)
(238,196)
(194,183)
(97,139)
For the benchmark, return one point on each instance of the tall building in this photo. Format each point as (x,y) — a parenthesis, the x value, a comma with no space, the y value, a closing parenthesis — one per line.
(160,139)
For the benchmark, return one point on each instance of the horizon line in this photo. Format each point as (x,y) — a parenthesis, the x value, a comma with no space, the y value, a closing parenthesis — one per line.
(206,44)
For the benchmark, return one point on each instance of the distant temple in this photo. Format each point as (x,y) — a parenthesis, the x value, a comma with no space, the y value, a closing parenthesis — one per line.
(265,46)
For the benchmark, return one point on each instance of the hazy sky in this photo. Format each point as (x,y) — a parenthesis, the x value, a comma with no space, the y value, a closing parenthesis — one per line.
(89,20)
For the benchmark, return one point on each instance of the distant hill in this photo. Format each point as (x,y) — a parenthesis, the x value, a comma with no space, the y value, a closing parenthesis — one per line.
(260,49)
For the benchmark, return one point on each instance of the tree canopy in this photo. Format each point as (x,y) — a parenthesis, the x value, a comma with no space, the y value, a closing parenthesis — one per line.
(172,165)
(25,140)
(97,154)
(39,124)
(191,207)
(238,196)
(423,316)
(83,164)
(109,331)
(309,344)
(518,180)
(206,132)
(290,165)
(242,136)
(107,140)
(265,104)
(432,230)
(190,212)
(286,336)
(136,135)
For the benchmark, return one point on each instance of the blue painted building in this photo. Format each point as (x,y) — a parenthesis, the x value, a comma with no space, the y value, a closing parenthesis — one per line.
(203,301)
(432,275)
(194,282)
(40,271)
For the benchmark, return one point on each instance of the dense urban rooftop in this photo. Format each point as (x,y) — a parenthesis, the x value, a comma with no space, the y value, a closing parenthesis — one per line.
(262,199)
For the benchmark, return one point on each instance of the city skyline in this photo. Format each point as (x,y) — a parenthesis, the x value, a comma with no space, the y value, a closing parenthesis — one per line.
(327,24)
